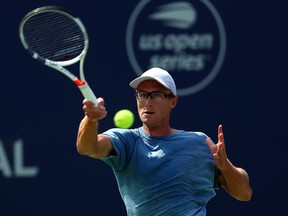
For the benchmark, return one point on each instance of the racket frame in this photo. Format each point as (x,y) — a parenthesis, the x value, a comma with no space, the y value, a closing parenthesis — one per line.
(59,65)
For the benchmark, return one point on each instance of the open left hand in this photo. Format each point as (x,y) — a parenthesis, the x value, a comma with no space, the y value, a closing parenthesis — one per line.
(218,150)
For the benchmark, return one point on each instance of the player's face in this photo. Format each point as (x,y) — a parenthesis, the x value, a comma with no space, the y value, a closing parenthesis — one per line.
(155,112)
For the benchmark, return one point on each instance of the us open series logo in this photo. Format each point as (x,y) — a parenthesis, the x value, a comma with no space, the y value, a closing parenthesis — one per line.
(186,38)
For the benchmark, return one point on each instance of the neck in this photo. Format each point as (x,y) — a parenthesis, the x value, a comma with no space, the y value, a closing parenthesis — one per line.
(158,131)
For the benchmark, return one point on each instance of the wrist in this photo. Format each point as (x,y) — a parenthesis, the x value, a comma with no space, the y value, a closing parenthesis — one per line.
(90,120)
(225,166)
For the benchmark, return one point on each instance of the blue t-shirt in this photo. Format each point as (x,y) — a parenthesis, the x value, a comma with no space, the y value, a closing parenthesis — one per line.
(171,175)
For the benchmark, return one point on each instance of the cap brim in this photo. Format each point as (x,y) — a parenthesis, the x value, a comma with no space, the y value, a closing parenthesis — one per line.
(134,83)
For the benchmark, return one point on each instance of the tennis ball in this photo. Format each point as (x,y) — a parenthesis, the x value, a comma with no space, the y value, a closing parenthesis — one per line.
(124,118)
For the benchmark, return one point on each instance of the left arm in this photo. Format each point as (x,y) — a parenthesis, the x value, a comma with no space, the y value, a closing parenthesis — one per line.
(234,180)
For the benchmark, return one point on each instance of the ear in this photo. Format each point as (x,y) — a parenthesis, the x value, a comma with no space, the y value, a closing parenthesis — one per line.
(174,102)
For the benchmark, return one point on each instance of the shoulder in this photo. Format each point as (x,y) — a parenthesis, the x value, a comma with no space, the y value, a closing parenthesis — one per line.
(200,134)
(192,134)
(120,133)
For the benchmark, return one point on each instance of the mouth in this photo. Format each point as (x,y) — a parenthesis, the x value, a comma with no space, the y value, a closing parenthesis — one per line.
(148,113)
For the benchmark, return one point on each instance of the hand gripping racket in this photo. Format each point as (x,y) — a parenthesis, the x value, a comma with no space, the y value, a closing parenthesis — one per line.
(57,38)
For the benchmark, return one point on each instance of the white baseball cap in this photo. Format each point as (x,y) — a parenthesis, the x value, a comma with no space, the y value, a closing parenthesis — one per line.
(159,75)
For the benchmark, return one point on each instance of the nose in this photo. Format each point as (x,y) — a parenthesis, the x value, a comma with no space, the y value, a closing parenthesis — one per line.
(149,99)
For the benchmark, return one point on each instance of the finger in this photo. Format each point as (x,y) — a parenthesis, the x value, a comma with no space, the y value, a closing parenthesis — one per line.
(96,114)
(211,145)
(220,130)
(216,153)
(209,142)
(220,134)
(101,103)
(220,149)
(221,138)
(100,100)
(88,103)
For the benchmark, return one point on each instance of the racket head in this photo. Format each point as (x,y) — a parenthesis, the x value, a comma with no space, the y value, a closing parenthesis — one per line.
(54,35)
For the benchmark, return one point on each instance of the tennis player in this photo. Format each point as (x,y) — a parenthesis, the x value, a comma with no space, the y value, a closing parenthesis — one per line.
(161,170)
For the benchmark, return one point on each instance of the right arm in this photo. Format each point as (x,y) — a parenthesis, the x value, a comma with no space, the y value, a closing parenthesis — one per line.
(88,141)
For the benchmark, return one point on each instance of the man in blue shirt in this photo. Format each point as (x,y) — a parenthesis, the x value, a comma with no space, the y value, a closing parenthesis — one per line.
(161,170)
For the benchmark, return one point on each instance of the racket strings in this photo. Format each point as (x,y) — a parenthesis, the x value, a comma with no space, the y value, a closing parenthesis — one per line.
(54,36)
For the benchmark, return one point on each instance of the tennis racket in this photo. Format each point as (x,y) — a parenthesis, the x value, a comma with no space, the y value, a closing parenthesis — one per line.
(57,38)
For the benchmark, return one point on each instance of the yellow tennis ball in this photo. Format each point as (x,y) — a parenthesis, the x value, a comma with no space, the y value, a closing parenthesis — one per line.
(124,118)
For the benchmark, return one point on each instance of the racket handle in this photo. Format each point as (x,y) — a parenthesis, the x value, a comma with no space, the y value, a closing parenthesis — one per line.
(88,93)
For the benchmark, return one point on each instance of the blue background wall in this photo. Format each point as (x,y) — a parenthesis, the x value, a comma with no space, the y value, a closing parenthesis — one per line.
(41,110)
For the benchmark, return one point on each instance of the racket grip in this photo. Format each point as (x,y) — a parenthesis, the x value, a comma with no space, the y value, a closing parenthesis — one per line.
(88,93)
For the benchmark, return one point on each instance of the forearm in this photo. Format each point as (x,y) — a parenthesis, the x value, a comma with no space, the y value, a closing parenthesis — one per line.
(236,182)
(87,136)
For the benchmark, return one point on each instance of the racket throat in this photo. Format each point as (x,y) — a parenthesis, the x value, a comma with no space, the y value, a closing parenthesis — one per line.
(79,82)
